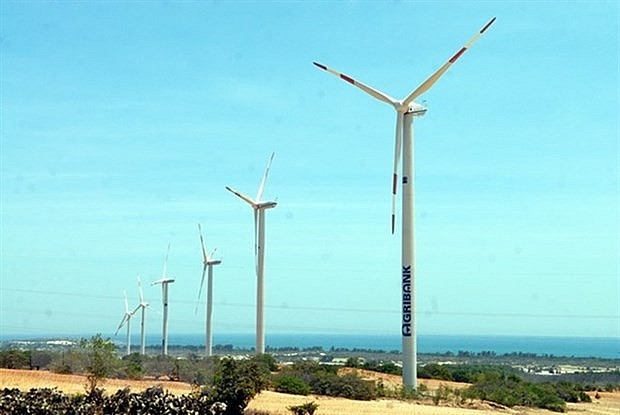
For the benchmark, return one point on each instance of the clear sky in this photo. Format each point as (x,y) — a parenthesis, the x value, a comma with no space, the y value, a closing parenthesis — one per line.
(122,122)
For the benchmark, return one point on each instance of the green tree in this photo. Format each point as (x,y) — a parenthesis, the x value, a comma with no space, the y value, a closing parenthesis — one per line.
(133,366)
(100,357)
(15,359)
(235,383)
(291,384)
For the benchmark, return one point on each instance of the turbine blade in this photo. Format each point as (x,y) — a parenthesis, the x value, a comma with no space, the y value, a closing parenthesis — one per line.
(202,283)
(202,280)
(126,302)
(368,89)
(242,196)
(261,188)
(202,244)
(136,309)
(165,270)
(121,325)
(140,290)
(426,85)
(397,153)
(256,239)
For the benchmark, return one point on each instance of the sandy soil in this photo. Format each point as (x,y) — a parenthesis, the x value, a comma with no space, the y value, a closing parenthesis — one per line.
(71,384)
(276,403)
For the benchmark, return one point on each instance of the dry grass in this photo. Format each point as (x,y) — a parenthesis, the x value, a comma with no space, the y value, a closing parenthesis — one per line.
(276,403)
(72,384)
(395,381)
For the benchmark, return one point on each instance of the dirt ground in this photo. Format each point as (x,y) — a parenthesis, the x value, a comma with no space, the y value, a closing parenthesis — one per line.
(277,403)
(71,384)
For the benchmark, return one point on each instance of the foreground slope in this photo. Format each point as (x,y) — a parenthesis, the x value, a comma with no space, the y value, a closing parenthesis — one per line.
(276,403)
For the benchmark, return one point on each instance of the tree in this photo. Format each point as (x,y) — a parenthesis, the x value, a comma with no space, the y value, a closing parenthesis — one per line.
(236,382)
(291,384)
(15,359)
(100,356)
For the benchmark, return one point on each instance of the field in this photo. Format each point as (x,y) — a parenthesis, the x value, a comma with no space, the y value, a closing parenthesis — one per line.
(276,403)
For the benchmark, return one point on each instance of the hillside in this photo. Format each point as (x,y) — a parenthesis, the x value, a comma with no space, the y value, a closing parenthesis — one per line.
(276,403)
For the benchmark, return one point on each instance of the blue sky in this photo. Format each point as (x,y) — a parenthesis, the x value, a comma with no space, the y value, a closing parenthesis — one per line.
(121,123)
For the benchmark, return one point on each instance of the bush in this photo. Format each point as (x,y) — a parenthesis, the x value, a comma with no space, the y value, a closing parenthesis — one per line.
(510,390)
(307,408)
(100,357)
(324,380)
(236,383)
(291,384)
(389,367)
(15,359)
(434,371)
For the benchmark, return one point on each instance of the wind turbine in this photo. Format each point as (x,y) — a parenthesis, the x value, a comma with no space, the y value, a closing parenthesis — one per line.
(143,305)
(406,110)
(127,320)
(165,281)
(207,264)
(259,208)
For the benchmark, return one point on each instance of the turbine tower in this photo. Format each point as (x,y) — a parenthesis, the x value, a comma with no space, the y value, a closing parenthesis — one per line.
(127,320)
(165,281)
(259,208)
(406,110)
(207,264)
(143,305)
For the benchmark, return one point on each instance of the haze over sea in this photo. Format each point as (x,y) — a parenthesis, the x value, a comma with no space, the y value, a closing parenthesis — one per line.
(601,347)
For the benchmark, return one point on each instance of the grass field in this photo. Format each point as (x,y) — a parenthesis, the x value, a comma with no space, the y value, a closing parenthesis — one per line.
(276,403)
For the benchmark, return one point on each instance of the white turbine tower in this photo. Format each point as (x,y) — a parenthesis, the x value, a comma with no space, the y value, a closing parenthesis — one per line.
(406,110)
(127,320)
(259,208)
(207,264)
(165,281)
(143,305)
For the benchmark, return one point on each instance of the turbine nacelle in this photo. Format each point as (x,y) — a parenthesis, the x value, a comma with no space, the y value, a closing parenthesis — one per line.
(163,281)
(265,205)
(414,108)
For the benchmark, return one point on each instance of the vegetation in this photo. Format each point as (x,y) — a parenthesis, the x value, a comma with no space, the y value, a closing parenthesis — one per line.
(235,381)
(52,402)
(307,408)
(503,386)
(100,356)
(374,365)
(324,380)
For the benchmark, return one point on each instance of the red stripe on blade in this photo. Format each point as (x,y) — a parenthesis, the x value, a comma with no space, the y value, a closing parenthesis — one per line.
(394,184)
(458,55)
(393,222)
(320,66)
(346,78)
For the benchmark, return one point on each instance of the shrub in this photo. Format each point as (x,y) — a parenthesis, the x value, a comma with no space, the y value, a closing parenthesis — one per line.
(509,390)
(100,356)
(15,359)
(235,383)
(291,384)
(307,408)
(434,371)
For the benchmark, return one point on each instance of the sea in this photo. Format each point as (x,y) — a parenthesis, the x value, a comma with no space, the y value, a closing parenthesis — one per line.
(599,347)
(607,347)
